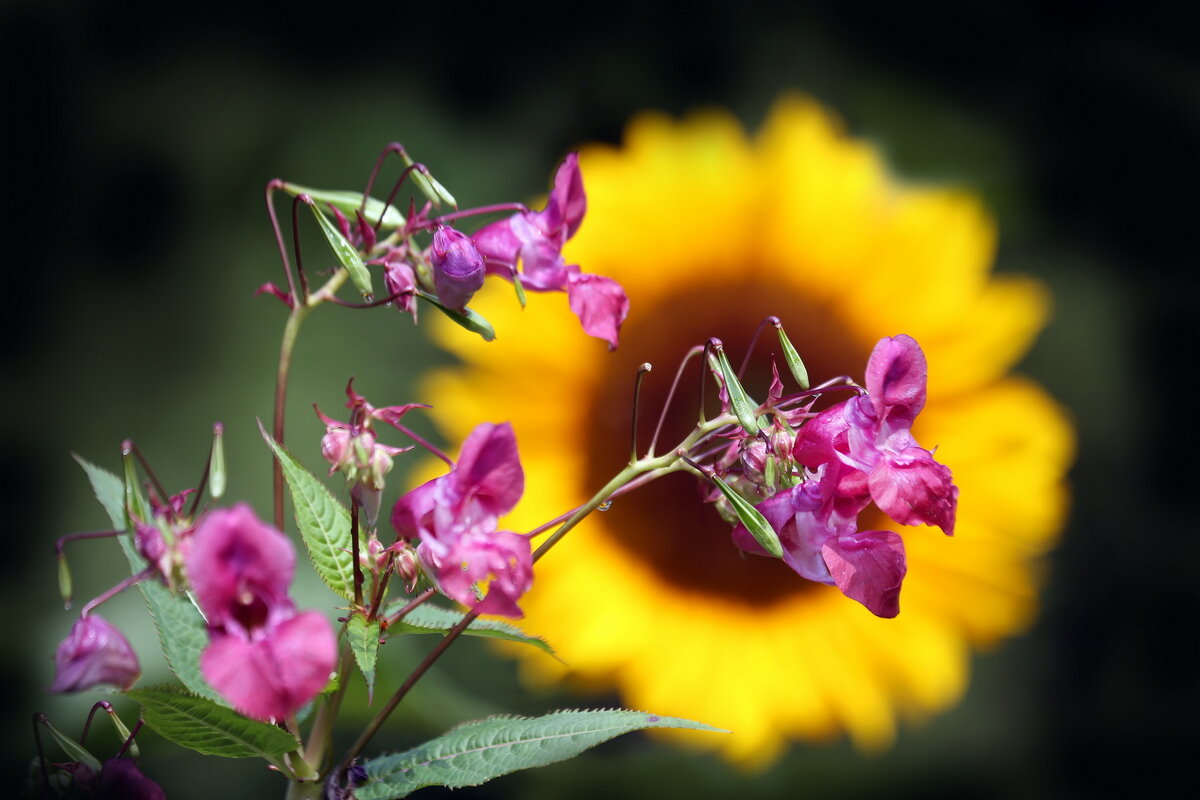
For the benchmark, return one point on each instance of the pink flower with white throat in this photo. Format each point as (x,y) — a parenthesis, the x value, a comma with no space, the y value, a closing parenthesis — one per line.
(262,656)
(455,518)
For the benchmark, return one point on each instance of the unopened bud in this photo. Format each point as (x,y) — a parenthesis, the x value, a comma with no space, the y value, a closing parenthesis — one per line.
(94,653)
(458,268)
(216,463)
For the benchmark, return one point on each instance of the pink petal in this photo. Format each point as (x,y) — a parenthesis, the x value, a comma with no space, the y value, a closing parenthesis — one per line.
(896,377)
(95,652)
(914,489)
(868,566)
(235,556)
(600,303)
(272,677)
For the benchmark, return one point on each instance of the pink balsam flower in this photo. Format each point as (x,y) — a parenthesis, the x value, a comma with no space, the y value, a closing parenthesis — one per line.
(262,656)
(94,653)
(535,239)
(455,518)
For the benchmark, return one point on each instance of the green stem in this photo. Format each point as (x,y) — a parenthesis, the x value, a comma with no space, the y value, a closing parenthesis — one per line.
(291,331)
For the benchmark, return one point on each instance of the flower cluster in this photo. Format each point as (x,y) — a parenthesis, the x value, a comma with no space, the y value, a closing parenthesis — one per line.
(352,449)
(263,656)
(855,452)
(535,239)
(454,518)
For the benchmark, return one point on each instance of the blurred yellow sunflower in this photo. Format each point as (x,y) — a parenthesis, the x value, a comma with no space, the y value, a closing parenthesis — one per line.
(709,232)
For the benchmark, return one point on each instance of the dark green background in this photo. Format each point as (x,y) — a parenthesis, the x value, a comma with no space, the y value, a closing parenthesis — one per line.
(136,142)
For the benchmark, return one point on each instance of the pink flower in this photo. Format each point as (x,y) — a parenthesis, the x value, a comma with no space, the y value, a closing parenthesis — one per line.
(872,434)
(817,523)
(262,656)
(535,240)
(455,518)
(95,652)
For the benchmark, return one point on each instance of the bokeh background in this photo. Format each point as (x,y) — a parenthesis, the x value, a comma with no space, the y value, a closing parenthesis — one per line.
(136,142)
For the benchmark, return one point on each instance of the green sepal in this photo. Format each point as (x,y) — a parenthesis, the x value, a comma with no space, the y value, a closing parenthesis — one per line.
(64,580)
(363,636)
(349,202)
(467,318)
(429,186)
(324,523)
(428,618)
(752,518)
(520,289)
(201,725)
(123,733)
(476,752)
(794,363)
(346,253)
(217,476)
(74,750)
(135,502)
(743,407)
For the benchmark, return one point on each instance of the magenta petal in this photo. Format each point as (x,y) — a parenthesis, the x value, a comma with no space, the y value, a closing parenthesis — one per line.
(914,489)
(272,677)
(868,566)
(411,514)
(489,469)
(896,378)
(503,556)
(235,560)
(600,303)
(496,242)
(821,437)
(93,653)
(568,194)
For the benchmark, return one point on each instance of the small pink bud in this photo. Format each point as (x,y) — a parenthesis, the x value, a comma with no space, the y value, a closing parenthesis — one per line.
(457,267)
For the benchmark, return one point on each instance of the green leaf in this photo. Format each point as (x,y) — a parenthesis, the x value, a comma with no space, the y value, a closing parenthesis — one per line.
(109,489)
(323,522)
(346,253)
(743,406)
(201,725)
(428,618)
(349,202)
(181,629)
(795,365)
(74,750)
(752,518)
(476,752)
(471,320)
(364,642)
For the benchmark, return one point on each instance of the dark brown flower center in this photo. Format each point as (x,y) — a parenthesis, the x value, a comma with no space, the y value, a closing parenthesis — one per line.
(664,524)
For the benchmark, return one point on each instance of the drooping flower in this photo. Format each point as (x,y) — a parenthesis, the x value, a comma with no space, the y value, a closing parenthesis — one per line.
(651,596)
(262,656)
(535,239)
(455,518)
(94,653)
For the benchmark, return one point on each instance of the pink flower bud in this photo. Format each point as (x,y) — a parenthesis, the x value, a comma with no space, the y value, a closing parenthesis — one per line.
(94,653)
(457,267)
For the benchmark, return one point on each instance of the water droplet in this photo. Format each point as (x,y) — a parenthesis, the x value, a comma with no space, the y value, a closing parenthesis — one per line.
(605,506)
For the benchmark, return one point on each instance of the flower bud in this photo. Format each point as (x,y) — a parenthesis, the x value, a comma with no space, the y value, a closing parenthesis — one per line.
(457,267)
(335,447)
(95,652)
